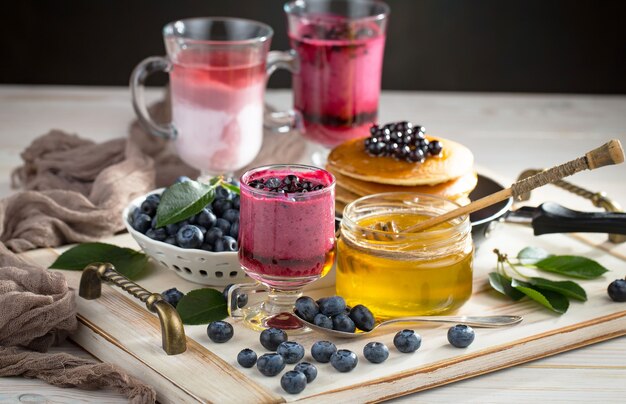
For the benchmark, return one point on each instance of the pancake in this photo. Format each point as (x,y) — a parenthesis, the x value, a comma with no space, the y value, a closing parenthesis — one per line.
(350,159)
(453,189)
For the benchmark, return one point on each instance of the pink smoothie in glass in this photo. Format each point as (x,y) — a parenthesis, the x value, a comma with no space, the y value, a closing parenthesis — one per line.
(217,108)
(287,239)
(338,84)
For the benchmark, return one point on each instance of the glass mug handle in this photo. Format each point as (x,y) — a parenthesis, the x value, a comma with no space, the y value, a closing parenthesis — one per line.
(281,121)
(137,83)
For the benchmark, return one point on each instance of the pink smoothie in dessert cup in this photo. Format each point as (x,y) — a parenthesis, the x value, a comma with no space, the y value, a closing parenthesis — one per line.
(339,45)
(286,234)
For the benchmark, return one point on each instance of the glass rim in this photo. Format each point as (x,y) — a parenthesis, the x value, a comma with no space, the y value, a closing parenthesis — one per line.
(243,184)
(464,223)
(291,7)
(169,31)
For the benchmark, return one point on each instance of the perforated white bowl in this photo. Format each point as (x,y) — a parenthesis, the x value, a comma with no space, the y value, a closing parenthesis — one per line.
(204,267)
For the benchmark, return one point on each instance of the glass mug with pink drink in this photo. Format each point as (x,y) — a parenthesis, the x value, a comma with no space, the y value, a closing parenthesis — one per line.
(218,70)
(336,63)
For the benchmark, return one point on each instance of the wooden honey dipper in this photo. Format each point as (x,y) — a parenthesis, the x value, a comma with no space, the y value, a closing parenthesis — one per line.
(607,154)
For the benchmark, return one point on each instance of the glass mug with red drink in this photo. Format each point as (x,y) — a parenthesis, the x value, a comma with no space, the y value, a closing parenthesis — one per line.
(336,63)
(218,70)
(286,237)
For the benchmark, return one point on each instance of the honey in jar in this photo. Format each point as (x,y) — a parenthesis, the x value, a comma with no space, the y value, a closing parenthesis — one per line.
(399,274)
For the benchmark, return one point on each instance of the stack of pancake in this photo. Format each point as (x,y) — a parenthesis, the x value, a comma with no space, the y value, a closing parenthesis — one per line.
(450,175)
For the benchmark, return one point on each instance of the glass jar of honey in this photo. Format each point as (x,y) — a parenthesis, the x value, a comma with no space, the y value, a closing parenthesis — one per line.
(400,273)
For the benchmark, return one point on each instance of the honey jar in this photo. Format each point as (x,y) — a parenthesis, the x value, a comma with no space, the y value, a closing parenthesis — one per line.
(400,273)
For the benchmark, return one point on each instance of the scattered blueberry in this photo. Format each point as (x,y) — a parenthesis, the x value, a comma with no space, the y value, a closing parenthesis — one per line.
(189,236)
(321,320)
(271,364)
(172,296)
(291,351)
(306,308)
(242,299)
(617,290)
(376,352)
(344,360)
(407,341)
(230,244)
(272,337)
(461,335)
(331,306)
(220,331)
(142,223)
(309,370)
(293,382)
(206,218)
(362,317)
(322,351)
(246,358)
(342,322)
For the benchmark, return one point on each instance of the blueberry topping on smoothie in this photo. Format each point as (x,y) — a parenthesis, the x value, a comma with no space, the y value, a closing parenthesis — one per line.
(288,184)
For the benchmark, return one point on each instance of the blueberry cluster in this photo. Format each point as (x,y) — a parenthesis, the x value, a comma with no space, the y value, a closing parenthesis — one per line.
(402,141)
(288,184)
(215,228)
(333,313)
(617,290)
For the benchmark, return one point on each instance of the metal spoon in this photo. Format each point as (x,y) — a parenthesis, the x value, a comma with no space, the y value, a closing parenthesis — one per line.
(474,321)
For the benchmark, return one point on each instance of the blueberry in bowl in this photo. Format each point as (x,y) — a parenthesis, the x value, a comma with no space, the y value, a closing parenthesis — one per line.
(201,248)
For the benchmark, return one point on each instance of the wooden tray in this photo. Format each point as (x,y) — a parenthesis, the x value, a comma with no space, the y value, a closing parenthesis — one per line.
(118,329)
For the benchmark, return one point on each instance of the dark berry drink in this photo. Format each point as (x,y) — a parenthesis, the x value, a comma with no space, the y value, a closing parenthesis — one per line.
(337,86)
(287,225)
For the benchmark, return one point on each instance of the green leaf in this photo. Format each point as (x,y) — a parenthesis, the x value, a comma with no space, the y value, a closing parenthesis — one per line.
(572,265)
(126,261)
(232,188)
(503,285)
(530,255)
(183,200)
(201,306)
(566,288)
(552,300)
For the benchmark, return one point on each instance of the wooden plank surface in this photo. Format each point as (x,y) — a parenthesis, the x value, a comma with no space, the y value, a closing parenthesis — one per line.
(436,363)
(507,134)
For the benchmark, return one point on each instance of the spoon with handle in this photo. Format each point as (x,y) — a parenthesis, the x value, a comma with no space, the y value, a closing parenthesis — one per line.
(607,154)
(474,321)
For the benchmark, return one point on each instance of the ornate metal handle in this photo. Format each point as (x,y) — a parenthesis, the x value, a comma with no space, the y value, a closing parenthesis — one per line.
(172,331)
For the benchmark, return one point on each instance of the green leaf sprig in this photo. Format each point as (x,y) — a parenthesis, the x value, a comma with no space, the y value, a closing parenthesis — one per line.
(554,295)
(201,306)
(128,262)
(185,199)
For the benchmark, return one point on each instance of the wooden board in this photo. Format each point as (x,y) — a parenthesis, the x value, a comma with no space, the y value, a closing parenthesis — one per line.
(118,329)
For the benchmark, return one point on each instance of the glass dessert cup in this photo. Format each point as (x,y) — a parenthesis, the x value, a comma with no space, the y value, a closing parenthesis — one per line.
(286,240)
(404,274)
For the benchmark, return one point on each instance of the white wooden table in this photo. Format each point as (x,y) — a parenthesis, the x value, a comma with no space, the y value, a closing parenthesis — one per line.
(507,133)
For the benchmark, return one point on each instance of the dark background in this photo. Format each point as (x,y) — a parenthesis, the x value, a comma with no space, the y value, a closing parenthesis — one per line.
(563,46)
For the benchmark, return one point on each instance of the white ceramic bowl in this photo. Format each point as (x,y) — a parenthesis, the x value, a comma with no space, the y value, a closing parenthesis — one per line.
(204,267)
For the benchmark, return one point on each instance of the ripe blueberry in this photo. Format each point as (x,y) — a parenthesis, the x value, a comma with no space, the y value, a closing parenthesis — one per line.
(271,364)
(220,331)
(306,308)
(331,306)
(293,382)
(321,320)
(323,350)
(407,341)
(309,370)
(617,290)
(142,223)
(272,337)
(246,358)
(189,236)
(172,296)
(291,351)
(376,352)
(341,322)
(344,360)
(362,317)
(461,335)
